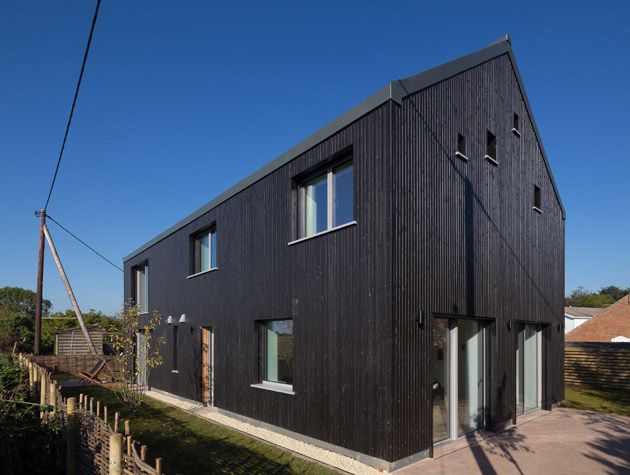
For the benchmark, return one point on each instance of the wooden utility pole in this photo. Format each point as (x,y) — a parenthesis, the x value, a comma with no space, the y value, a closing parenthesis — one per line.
(66,284)
(40,282)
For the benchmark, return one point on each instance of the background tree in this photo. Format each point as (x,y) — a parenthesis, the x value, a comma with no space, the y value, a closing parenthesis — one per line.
(580,297)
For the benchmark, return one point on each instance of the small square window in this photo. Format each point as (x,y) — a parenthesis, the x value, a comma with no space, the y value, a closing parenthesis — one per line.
(205,250)
(277,352)
(491,147)
(537,199)
(461,147)
(516,124)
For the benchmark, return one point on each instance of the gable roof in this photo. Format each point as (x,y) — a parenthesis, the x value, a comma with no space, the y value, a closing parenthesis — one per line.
(582,312)
(612,322)
(396,91)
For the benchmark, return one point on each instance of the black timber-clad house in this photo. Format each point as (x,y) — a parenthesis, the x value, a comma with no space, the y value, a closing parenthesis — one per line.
(392,282)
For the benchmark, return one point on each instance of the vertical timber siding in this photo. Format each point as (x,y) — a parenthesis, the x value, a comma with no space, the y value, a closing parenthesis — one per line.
(336,287)
(467,242)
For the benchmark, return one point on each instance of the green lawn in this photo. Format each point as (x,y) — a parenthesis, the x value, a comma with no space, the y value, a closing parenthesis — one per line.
(599,400)
(190,445)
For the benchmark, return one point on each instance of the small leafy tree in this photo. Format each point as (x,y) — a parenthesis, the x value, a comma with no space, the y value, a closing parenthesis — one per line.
(127,346)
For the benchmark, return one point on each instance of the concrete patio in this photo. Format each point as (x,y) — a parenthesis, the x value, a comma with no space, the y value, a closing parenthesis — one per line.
(563,441)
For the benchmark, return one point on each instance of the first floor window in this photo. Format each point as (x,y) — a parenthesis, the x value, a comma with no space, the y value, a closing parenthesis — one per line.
(537,198)
(277,351)
(326,200)
(141,282)
(205,250)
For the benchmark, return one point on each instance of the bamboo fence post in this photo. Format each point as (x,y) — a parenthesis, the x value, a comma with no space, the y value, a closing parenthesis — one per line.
(91,404)
(42,395)
(53,396)
(105,418)
(127,429)
(80,399)
(129,445)
(158,466)
(31,377)
(143,453)
(116,419)
(72,435)
(98,408)
(115,454)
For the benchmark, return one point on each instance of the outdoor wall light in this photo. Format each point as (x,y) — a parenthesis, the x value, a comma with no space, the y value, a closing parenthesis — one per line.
(182,319)
(169,320)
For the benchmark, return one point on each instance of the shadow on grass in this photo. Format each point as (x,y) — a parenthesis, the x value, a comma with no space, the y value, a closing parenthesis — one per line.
(190,445)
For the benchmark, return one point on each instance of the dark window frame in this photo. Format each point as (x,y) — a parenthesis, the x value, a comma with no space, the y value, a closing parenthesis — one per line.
(537,206)
(326,170)
(144,265)
(516,124)
(491,147)
(195,264)
(460,146)
(262,326)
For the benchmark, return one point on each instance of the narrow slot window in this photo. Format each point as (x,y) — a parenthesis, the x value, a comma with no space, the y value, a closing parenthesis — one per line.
(491,147)
(174,347)
(516,125)
(461,147)
(537,199)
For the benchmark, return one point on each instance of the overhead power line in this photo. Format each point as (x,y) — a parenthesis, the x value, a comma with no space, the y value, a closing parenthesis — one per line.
(74,103)
(83,242)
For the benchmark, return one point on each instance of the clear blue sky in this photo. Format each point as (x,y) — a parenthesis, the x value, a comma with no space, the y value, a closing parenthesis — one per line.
(183,99)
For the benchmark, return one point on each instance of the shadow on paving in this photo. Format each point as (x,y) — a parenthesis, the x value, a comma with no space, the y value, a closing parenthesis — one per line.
(190,445)
(503,444)
(611,448)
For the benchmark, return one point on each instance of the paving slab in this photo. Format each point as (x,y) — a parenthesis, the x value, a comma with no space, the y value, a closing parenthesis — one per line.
(563,441)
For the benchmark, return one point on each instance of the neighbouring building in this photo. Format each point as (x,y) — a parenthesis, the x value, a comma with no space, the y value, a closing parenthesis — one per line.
(576,316)
(611,325)
(394,281)
(71,341)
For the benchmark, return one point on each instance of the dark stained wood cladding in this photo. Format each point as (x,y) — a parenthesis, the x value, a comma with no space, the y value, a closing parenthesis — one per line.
(467,242)
(336,287)
(433,233)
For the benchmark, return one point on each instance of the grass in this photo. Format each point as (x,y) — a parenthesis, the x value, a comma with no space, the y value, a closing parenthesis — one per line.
(191,445)
(614,401)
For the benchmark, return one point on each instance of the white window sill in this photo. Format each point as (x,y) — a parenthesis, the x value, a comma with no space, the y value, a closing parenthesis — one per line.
(537,209)
(321,233)
(275,387)
(491,160)
(516,132)
(202,272)
(461,155)
(175,371)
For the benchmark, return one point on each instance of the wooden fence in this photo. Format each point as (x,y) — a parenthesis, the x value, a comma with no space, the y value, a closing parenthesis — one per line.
(75,364)
(599,365)
(97,442)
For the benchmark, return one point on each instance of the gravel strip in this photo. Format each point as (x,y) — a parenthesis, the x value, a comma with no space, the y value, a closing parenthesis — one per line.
(333,459)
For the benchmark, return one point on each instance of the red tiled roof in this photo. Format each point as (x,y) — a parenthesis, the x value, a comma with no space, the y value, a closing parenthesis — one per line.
(611,322)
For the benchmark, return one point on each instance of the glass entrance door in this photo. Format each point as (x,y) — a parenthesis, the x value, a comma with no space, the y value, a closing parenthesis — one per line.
(458,377)
(527,368)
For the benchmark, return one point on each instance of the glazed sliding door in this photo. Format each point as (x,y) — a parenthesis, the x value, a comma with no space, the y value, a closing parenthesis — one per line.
(458,377)
(470,376)
(527,368)
(440,374)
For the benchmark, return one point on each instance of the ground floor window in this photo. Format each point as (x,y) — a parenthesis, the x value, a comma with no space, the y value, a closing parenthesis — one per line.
(458,371)
(277,351)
